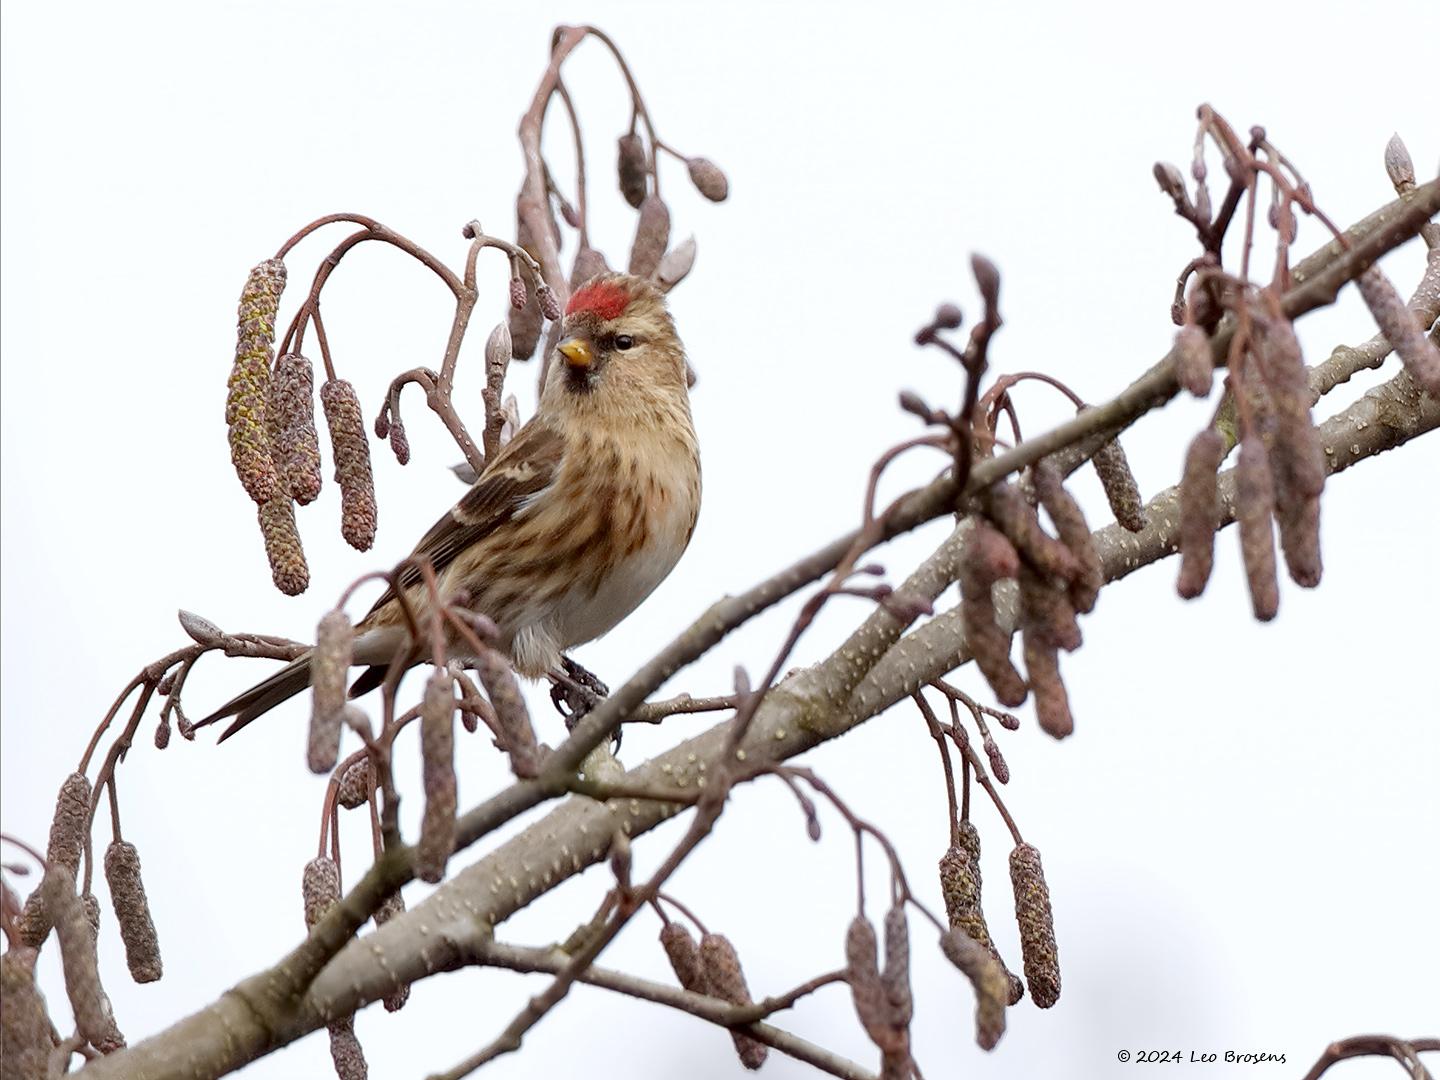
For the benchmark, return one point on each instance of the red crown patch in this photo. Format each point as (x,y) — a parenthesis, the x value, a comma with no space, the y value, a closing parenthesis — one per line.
(605,298)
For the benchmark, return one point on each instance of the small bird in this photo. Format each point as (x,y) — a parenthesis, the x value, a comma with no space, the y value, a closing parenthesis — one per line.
(572,523)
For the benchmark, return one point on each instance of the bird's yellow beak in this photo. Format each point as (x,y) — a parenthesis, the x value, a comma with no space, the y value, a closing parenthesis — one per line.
(577,354)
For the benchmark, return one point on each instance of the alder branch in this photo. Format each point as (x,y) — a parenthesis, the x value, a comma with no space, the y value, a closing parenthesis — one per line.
(1346,361)
(720,1013)
(1387,416)
(1405,1051)
(1318,278)
(652,712)
(793,718)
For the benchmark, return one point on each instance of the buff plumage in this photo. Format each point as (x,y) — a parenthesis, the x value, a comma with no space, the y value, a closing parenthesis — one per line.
(578,518)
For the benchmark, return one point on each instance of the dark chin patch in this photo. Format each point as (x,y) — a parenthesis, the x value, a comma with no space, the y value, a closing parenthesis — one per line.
(579,380)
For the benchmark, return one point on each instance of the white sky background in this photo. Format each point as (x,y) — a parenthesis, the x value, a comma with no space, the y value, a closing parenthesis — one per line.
(1235,837)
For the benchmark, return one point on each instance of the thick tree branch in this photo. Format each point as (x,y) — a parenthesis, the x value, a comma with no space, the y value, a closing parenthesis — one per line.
(1346,361)
(460,915)
(1318,278)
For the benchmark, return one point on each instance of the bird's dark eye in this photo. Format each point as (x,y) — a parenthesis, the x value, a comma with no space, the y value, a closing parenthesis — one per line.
(623,341)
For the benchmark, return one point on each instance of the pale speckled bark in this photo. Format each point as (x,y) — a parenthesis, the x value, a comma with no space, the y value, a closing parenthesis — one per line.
(454,925)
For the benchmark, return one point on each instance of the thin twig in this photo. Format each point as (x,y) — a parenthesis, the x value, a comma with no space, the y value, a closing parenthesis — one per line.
(1405,1051)
(519,958)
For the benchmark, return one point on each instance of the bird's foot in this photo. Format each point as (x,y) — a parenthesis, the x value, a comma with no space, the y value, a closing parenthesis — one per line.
(585,678)
(575,691)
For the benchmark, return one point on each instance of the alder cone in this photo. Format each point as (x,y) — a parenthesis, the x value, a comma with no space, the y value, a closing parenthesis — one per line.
(511,715)
(708,178)
(867,991)
(393,907)
(633,168)
(1419,355)
(724,978)
(248,389)
(1017,519)
(1074,533)
(1121,490)
(683,955)
(1194,366)
(1300,539)
(526,320)
(988,978)
(652,236)
(355,784)
(1199,511)
(352,463)
(290,419)
(329,669)
(1037,925)
(319,888)
(960,886)
(960,883)
(1254,505)
(989,556)
(1042,666)
(589,263)
(345,1051)
(986,557)
(549,302)
(437,742)
(997,759)
(896,977)
(26,1024)
(35,922)
(283,549)
(1045,609)
(71,822)
(399,442)
(94,1017)
(132,911)
(990,646)
(1299,457)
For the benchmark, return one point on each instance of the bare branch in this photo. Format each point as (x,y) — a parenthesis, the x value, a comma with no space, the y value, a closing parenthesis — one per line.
(249,1021)
(518,958)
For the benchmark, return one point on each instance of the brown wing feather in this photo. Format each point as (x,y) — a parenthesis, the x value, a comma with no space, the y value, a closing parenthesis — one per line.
(524,468)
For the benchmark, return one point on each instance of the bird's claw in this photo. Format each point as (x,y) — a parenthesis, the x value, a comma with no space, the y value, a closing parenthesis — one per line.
(575,691)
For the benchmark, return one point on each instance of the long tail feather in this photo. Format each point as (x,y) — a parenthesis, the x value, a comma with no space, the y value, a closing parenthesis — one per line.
(375,646)
(369,679)
(260,699)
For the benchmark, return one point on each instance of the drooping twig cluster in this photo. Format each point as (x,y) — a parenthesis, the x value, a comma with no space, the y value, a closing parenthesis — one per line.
(1267,405)
(960,877)
(1058,576)
(64,901)
(712,968)
(270,403)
